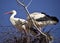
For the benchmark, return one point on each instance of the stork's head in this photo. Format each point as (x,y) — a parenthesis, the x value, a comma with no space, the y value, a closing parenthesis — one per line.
(11,12)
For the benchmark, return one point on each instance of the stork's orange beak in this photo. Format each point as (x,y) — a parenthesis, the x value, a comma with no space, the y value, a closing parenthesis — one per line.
(8,13)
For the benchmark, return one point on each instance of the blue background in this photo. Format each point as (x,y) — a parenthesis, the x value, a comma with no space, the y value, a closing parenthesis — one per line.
(51,7)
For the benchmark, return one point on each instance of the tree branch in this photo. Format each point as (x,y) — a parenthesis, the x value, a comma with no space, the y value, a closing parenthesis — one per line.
(20,3)
(29,3)
(28,14)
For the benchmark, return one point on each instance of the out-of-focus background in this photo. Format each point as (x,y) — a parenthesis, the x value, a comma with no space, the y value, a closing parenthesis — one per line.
(50,7)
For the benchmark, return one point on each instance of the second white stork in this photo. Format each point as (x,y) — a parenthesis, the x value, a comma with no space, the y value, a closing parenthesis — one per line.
(42,19)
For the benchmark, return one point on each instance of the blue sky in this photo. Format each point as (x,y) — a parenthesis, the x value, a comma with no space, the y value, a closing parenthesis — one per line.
(51,7)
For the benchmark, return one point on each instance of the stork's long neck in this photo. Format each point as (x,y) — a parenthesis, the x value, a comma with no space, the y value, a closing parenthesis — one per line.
(12,16)
(12,19)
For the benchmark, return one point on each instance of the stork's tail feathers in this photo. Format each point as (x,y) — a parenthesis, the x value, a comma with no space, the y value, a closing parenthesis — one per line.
(54,19)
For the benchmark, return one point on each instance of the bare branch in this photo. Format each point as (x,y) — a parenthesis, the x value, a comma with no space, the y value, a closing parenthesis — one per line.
(29,3)
(24,4)
(28,14)
(20,3)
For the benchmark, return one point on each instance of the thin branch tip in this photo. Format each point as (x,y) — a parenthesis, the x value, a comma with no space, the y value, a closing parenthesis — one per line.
(29,3)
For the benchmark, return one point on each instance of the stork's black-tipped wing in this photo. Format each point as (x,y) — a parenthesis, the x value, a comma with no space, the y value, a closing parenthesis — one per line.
(47,17)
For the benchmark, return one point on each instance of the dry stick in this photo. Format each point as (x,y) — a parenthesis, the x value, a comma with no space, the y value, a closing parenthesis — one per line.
(29,4)
(25,7)
(29,15)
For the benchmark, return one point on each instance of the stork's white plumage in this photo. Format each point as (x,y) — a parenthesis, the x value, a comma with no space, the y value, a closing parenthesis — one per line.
(42,19)
(17,22)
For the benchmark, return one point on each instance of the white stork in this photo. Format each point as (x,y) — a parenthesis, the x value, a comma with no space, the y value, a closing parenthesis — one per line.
(19,23)
(42,19)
